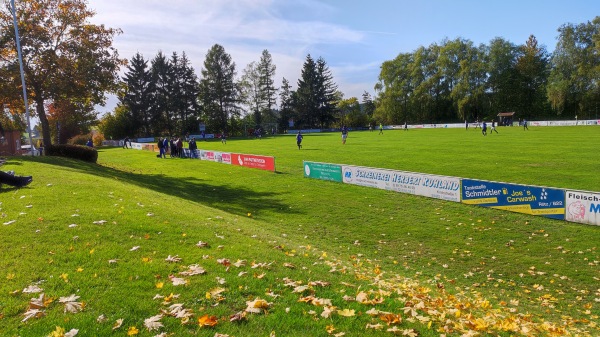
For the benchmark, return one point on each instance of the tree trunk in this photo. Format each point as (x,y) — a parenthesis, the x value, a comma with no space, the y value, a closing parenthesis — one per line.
(39,102)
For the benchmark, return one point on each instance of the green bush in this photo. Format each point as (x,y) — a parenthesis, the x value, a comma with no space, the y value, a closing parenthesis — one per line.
(84,153)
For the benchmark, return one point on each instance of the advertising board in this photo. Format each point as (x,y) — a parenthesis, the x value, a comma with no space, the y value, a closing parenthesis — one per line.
(253,161)
(583,207)
(226,158)
(544,201)
(323,171)
(439,187)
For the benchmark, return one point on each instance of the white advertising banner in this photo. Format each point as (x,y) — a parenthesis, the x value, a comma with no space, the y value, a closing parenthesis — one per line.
(439,187)
(583,207)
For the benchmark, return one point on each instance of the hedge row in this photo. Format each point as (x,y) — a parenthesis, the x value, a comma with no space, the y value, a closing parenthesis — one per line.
(84,153)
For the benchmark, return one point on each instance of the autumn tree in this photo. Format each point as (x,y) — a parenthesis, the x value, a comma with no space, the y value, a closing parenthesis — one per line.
(69,118)
(65,56)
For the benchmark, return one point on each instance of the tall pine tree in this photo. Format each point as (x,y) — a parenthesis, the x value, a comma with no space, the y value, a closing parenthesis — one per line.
(219,92)
(138,96)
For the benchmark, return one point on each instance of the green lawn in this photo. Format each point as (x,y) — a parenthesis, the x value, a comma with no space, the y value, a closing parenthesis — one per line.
(375,259)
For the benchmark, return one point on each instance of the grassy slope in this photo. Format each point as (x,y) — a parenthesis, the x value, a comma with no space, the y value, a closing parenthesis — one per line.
(549,267)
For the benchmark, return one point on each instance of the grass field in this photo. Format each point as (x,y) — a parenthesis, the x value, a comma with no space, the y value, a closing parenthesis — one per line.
(245,252)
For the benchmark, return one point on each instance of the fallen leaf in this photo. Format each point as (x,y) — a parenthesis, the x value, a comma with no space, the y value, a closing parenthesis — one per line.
(206,320)
(153,323)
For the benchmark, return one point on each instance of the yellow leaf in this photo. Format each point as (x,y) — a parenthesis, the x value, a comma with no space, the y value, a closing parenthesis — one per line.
(58,332)
(159,285)
(132,331)
(346,312)
(330,329)
(79,270)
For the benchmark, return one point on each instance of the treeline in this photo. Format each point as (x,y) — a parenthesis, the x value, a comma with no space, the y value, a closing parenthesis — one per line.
(165,96)
(70,65)
(457,80)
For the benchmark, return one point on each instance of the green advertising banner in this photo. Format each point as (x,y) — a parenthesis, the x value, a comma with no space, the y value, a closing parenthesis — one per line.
(323,171)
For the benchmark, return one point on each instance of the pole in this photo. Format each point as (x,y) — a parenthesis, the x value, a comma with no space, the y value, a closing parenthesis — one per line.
(14,13)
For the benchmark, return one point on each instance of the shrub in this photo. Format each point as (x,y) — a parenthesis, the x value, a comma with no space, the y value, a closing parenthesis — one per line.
(98,139)
(79,139)
(84,153)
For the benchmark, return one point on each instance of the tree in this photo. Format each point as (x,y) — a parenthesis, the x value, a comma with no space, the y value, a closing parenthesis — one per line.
(219,93)
(251,94)
(351,113)
(268,92)
(65,56)
(286,104)
(118,124)
(68,119)
(532,67)
(185,93)
(306,104)
(394,88)
(502,82)
(574,81)
(327,96)
(162,111)
(138,95)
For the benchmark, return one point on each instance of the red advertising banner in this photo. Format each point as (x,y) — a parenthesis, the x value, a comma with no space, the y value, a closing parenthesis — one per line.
(253,161)
(226,158)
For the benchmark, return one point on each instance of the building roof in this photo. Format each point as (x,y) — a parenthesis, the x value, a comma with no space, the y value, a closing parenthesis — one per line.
(506,114)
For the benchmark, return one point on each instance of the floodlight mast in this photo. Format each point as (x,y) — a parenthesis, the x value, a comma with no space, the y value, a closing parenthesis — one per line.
(18,39)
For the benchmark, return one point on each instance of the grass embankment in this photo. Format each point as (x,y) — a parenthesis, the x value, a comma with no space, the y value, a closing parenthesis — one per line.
(326,258)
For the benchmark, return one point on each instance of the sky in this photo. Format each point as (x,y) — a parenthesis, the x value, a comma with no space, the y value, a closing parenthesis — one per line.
(353,37)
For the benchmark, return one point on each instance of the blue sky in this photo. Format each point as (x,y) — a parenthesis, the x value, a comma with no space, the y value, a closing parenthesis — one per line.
(354,37)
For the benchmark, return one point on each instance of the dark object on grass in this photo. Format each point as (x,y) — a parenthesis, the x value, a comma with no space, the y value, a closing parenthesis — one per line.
(9,178)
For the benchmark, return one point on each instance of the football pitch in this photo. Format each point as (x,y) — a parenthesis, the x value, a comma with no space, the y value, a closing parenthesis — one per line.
(248,252)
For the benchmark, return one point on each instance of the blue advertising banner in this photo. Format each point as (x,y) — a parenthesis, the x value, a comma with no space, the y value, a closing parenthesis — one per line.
(544,201)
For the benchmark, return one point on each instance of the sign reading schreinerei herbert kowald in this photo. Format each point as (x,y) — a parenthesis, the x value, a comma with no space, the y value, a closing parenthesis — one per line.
(439,187)
(544,201)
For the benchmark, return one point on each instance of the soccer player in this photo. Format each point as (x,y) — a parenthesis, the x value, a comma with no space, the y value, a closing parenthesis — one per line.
(493,127)
(344,134)
(484,129)
(299,138)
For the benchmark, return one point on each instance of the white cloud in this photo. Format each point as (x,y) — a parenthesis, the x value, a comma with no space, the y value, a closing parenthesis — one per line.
(288,30)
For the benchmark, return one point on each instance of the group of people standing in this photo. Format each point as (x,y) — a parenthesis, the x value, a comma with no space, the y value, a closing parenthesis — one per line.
(175,145)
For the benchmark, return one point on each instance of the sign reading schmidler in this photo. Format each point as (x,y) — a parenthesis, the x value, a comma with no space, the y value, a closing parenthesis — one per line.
(548,202)
(439,187)
(583,207)
(253,161)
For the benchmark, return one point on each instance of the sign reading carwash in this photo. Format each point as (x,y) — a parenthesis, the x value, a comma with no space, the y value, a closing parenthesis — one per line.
(427,185)
(323,171)
(544,201)
(583,207)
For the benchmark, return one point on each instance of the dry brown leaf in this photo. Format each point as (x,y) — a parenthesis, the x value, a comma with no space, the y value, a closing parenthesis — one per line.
(118,324)
(70,303)
(153,323)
